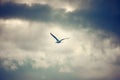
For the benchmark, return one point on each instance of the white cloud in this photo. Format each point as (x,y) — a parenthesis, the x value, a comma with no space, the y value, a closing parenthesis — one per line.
(88,50)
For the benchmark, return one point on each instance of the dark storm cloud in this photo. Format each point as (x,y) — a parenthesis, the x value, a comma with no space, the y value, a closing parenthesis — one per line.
(35,12)
(102,14)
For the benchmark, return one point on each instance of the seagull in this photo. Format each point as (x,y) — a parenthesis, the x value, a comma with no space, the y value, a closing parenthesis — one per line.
(58,40)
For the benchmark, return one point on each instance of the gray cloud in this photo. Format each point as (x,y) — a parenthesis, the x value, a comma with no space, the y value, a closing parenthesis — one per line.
(69,5)
(94,14)
(101,14)
(36,12)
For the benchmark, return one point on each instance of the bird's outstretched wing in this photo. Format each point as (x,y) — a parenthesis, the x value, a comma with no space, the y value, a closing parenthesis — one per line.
(54,36)
(64,39)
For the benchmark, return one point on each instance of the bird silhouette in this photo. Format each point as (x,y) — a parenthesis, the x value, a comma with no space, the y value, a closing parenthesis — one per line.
(58,40)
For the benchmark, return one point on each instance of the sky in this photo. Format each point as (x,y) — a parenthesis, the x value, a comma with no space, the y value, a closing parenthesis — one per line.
(29,52)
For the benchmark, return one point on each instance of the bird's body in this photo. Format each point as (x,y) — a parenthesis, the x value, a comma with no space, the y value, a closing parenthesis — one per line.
(58,40)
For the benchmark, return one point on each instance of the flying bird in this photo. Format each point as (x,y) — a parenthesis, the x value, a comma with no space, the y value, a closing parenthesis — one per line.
(58,40)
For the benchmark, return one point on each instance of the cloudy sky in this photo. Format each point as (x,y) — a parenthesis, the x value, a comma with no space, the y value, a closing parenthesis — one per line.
(29,52)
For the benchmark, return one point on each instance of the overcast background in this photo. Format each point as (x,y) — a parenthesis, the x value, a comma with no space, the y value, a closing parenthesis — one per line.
(28,52)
